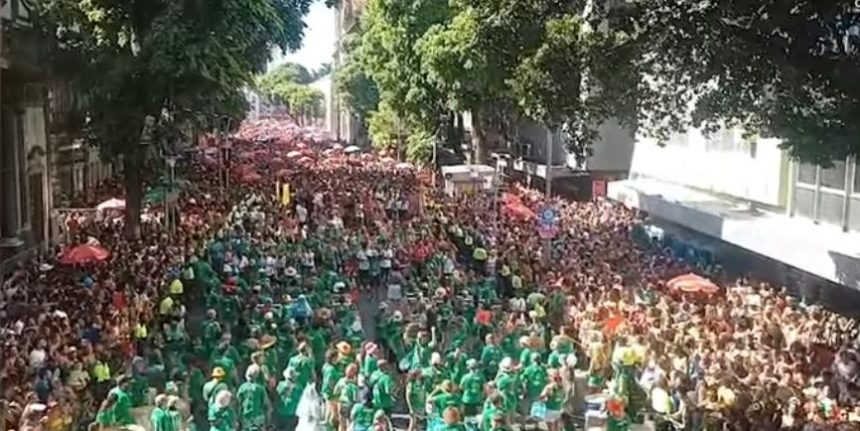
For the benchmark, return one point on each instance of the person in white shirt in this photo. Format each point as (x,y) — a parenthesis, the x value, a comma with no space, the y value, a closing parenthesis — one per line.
(301,213)
(385,263)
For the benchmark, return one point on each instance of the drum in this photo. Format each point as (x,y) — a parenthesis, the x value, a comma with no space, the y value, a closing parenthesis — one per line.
(595,403)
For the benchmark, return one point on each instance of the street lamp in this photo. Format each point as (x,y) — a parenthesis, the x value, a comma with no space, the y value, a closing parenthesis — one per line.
(171,164)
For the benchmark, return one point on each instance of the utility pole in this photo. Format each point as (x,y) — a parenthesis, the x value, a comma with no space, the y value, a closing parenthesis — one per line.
(547,250)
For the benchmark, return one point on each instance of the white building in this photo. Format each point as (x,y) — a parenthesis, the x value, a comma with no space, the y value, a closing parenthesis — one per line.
(750,194)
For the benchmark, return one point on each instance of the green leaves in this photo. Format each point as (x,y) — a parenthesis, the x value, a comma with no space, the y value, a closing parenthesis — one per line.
(287,84)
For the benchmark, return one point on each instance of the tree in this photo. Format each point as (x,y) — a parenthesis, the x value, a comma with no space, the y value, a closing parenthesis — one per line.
(784,69)
(144,67)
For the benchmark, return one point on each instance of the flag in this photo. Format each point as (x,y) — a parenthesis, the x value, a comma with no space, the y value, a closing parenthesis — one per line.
(285,195)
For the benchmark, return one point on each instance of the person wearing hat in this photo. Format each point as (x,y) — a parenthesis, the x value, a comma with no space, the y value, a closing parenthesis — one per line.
(216,385)
(452,420)
(472,385)
(289,394)
(561,347)
(160,417)
(383,388)
(302,365)
(346,356)
(508,385)
(221,415)
(253,401)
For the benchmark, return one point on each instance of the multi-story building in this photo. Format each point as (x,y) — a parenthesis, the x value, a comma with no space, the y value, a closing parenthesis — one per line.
(24,174)
(750,194)
(609,160)
(344,125)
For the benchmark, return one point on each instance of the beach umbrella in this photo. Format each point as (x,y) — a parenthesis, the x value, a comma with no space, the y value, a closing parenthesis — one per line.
(85,253)
(336,146)
(404,165)
(111,204)
(294,154)
(692,283)
(351,149)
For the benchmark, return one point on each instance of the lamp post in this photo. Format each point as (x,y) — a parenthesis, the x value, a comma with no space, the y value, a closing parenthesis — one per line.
(547,251)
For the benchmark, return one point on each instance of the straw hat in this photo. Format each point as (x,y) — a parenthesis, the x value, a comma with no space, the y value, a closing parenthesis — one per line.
(267,341)
(218,373)
(344,348)
(291,272)
(397,316)
(371,348)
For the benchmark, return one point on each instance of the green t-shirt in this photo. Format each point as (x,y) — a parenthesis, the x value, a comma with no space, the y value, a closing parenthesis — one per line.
(252,403)
(536,379)
(472,386)
(443,400)
(346,391)
(382,392)
(221,419)
(289,394)
(330,376)
(122,408)
(303,366)
(416,395)
(362,415)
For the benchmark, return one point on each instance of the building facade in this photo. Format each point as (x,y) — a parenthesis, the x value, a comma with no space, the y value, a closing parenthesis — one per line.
(750,194)
(24,153)
(342,124)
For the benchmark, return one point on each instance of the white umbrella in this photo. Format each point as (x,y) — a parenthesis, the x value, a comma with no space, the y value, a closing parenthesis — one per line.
(404,165)
(293,154)
(111,204)
(351,149)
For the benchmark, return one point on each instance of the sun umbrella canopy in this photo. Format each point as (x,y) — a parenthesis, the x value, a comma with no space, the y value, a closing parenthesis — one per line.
(111,204)
(692,283)
(293,154)
(351,149)
(404,165)
(84,254)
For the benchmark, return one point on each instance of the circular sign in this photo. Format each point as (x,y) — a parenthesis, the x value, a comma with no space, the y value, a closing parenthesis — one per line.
(548,215)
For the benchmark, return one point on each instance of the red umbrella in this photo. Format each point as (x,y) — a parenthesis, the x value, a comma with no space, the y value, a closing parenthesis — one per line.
(85,253)
(519,211)
(692,283)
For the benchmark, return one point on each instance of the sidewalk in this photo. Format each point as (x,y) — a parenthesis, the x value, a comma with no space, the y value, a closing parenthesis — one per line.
(820,249)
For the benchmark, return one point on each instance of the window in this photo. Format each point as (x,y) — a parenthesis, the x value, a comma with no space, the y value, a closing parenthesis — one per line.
(834,177)
(806,174)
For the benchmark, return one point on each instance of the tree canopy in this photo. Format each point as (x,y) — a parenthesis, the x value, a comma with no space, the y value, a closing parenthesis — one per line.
(288,84)
(782,69)
(170,61)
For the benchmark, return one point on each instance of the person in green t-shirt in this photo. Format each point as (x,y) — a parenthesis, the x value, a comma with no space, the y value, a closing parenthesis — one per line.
(492,408)
(346,391)
(554,396)
(117,407)
(491,355)
(330,376)
(472,385)
(221,415)
(362,413)
(508,385)
(416,399)
(383,389)
(535,379)
(289,394)
(253,401)
(302,364)
(160,418)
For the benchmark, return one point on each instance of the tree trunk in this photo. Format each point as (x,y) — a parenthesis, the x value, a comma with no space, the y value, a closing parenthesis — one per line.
(133,193)
(481,145)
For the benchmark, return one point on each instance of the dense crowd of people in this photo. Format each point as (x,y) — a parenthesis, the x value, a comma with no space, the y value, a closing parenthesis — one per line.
(368,293)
